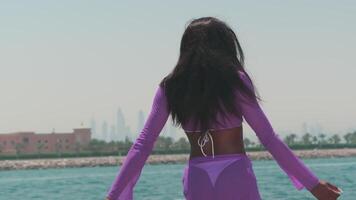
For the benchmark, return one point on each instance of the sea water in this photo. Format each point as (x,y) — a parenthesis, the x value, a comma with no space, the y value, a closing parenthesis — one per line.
(164,181)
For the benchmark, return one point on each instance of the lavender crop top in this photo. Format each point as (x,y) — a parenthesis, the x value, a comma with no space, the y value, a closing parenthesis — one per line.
(299,174)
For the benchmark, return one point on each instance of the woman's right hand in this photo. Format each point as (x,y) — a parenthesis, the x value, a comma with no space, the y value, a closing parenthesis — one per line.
(326,191)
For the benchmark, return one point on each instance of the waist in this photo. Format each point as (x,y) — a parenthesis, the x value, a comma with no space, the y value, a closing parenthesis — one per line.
(234,156)
(221,142)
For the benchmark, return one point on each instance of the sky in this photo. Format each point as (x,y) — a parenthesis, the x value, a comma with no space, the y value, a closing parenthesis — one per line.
(65,62)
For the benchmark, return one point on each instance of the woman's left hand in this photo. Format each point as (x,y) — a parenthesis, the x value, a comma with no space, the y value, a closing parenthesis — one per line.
(326,191)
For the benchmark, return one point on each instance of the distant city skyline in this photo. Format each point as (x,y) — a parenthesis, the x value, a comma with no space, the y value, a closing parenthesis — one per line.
(119,130)
(65,62)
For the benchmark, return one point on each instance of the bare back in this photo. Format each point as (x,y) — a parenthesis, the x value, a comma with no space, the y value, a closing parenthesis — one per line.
(227,141)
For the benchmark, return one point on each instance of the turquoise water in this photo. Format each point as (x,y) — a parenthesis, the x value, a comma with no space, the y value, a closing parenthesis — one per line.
(163,182)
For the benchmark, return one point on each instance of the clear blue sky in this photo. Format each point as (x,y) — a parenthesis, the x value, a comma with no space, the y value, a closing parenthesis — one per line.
(63,62)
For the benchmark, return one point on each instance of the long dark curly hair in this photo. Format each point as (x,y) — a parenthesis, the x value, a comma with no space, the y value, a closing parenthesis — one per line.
(206,74)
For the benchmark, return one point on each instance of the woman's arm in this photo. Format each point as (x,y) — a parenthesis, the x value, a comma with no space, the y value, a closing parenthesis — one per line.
(300,175)
(122,187)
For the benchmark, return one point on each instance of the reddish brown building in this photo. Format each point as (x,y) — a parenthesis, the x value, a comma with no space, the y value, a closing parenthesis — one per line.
(31,143)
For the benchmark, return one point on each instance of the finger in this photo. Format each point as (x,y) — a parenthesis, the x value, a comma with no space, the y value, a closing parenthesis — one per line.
(333,187)
(334,194)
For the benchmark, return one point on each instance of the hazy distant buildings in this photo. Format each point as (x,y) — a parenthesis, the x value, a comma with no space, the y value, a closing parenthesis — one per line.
(111,132)
(312,128)
(113,135)
(121,129)
(93,128)
(167,131)
(104,131)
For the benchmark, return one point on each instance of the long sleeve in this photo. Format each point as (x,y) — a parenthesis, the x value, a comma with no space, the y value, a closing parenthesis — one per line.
(299,174)
(123,185)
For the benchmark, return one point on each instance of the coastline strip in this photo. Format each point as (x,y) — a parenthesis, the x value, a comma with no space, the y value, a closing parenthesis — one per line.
(155,159)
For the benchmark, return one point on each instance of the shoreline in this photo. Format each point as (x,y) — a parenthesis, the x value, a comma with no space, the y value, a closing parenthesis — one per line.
(155,159)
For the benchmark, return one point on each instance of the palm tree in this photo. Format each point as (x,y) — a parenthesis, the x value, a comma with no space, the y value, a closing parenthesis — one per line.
(247,142)
(306,139)
(335,139)
(97,146)
(290,139)
(163,143)
(252,143)
(315,139)
(181,144)
(128,142)
(350,138)
(322,138)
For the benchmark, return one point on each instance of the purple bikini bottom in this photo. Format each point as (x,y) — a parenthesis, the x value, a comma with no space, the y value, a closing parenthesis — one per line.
(224,177)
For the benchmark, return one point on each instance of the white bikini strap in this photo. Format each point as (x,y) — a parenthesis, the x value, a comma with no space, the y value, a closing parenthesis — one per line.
(204,141)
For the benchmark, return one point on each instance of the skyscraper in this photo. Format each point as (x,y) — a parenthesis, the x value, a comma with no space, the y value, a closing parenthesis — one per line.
(121,128)
(113,134)
(93,128)
(104,131)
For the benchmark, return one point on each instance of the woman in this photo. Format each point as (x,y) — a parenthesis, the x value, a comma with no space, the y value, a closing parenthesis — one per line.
(208,94)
